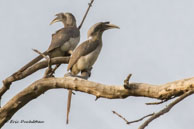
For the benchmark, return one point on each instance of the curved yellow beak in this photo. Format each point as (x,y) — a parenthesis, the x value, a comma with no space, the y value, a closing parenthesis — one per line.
(57,19)
(111,26)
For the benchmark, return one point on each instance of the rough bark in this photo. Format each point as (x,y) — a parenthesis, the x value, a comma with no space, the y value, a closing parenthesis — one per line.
(161,92)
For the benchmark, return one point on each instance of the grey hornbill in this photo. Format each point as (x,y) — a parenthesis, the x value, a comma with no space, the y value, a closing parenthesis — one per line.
(85,55)
(63,41)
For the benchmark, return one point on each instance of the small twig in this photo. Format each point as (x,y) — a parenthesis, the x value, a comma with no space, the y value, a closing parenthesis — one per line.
(156,103)
(114,112)
(48,71)
(54,69)
(40,53)
(89,6)
(130,122)
(166,109)
(97,97)
(126,82)
(140,118)
(160,102)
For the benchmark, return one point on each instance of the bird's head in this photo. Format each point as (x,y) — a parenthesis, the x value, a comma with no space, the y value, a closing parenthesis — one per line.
(66,18)
(98,28)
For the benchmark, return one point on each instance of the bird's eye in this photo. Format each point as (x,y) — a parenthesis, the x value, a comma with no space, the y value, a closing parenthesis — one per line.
(96,29)
(99,27)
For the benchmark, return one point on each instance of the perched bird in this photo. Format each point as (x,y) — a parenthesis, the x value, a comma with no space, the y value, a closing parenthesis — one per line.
(63,41)
(85,55)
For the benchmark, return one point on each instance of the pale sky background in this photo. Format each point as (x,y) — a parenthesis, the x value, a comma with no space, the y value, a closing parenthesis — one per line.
(155,44)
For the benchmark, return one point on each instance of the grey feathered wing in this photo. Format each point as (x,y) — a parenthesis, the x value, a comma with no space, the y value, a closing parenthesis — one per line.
(62,36)
(82,50)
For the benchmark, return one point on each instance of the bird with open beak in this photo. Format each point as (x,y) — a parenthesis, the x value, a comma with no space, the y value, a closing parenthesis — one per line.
(63,41)
(86,54)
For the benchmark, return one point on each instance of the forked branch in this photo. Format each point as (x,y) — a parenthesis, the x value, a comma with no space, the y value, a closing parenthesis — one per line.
(166,109)
(43,64)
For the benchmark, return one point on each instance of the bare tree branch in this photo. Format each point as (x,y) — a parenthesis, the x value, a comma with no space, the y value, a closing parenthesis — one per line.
(53,70)
(114,112)
(158,114)
(40,53)
(89,6)
(167,109)
(160,102)
(135,121)
(165,91)
(130,122)
(43,64)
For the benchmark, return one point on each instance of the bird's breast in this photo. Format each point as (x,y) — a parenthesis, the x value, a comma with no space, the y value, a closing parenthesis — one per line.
(70,44)
(88,60)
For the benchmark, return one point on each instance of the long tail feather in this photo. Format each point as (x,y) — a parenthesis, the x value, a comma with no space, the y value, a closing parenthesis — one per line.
(68,105)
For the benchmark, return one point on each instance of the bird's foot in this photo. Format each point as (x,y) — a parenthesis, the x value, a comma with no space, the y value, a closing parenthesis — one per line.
(86,73)
(69,74)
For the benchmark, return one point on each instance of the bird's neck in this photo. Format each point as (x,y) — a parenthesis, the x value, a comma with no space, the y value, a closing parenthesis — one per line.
(63,23)
(94,38)
(98,36)
(68,24)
